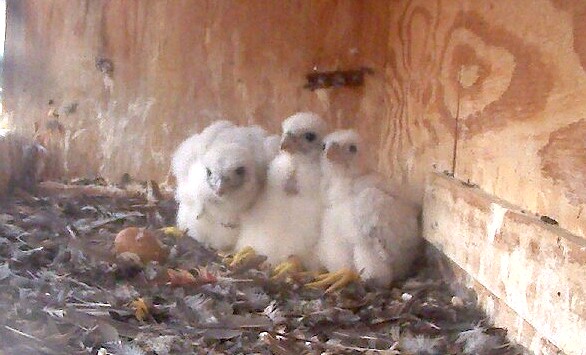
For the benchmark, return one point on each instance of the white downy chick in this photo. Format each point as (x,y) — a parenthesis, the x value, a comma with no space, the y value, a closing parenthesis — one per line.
(286,218)
(192,149)
(272,146)
(219,174)
(366,228)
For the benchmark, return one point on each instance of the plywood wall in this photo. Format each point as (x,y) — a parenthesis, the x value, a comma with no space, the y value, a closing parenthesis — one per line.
(521,78)
(178,65)
(499,88)
(491,90)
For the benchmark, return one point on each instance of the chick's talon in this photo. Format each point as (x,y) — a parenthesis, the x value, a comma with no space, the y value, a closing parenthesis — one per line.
(292,265)
(334,281)
(241,256)
(173,232)
(226,257)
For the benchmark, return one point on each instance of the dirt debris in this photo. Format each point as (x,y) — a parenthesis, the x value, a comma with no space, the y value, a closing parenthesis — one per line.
(64,291)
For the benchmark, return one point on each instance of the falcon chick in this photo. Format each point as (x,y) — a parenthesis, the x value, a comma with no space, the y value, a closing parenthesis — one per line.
(219,174)
(191,149)
(365,228)
(286,218)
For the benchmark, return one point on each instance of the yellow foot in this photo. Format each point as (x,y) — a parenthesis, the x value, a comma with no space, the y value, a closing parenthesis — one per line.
(291,265)
(240,257)
(334,280)
(173,232)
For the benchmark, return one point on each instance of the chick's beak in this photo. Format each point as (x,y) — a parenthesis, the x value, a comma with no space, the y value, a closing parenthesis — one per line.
(333,152)
(289,143)
(221,187)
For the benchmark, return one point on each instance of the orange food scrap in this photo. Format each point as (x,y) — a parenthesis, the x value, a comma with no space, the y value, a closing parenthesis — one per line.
(141,242)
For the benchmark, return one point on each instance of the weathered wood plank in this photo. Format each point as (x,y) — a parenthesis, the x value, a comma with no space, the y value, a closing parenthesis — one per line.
(535,269)
(518,330)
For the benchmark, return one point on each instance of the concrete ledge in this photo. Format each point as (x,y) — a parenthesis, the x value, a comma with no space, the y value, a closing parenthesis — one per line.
(530,277)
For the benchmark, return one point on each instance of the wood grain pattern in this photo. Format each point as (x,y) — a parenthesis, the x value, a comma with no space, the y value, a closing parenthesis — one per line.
(520,76)
(178,65)
(420,125)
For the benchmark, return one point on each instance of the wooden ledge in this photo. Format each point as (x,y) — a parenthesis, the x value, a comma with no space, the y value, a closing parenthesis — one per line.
(530,276)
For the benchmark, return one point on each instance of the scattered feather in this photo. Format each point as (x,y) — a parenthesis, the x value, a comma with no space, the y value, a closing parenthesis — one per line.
(127,349)
(65,292)
(421,345)
(274,314)
(478,341)
(5,271)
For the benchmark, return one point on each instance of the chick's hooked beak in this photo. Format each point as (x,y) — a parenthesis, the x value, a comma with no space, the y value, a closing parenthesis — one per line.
(220,186)
(333,152)
(289,143)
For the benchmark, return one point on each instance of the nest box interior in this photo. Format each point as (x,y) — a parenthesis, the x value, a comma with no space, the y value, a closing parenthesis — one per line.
(474,108)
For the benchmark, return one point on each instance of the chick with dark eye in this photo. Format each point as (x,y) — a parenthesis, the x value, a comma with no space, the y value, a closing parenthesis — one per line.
(240,171)
(310,136)
(353,149)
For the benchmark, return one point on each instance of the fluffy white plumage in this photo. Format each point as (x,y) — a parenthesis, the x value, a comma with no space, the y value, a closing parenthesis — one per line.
(365,228)
(219,174)
(286,218)
(191,149)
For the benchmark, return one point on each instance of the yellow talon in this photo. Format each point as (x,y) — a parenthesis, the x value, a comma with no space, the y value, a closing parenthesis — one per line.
(241,256)
(334,280)
(226,257)
(173,232)
(324,276)
(141,309)
(292,265)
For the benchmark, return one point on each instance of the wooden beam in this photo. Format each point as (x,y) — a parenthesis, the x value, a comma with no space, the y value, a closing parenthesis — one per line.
(529,275)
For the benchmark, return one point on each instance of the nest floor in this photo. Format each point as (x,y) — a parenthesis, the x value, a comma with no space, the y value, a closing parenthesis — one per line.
(62,290)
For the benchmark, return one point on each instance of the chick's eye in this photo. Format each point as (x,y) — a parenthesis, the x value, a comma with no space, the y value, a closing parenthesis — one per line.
(323,147)
(240,171)
(208,172)
(353,149)
(310,137)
